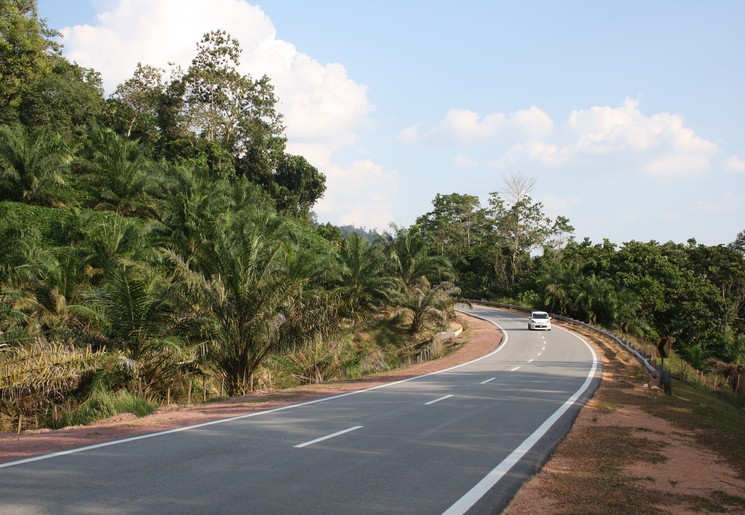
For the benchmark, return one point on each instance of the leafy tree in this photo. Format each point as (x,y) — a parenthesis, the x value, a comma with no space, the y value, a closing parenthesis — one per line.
(739,244)
(69,99)
(330,233)
(260,143)
(233,111)
(456,223)
(213,86)
(141,97)
(521,227)
(25,48)
(297,185)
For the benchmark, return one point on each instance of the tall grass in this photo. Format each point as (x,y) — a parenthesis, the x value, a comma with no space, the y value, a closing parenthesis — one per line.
(103,404)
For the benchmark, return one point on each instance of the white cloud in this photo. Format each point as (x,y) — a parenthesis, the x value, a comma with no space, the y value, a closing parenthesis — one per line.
(556,204)
(734,165)
(657,145)
(323,107)
(600,139)
(465,161)
(360,194)
(461,126)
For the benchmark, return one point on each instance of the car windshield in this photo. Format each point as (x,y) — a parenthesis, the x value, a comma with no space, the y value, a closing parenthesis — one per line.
(540,315)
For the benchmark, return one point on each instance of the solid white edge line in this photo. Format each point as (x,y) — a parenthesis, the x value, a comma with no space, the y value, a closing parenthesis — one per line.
(438,400)
(258,413)
(465,503)
(327,437)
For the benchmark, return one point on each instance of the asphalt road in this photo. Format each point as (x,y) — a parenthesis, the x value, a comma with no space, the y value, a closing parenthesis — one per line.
(461,440)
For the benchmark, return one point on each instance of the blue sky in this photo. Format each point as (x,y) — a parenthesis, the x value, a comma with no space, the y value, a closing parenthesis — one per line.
(628,114)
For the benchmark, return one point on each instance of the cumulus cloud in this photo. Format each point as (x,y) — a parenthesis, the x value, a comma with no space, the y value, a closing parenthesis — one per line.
(360,194)
(734,165)
(461,126)
(659,144)
(600,138)
(323,107)
(465,161)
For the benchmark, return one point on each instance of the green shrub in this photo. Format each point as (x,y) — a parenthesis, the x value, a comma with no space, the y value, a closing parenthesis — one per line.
(103,404)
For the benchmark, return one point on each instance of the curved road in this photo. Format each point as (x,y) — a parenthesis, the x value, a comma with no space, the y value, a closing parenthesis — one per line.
(460,440)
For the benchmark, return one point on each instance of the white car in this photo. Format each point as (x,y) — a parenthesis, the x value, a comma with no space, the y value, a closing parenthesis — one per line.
(539,320)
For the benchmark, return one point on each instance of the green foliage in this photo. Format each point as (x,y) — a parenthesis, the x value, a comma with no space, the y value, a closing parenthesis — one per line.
(25,43)
(68,100)
(427,303)
(102,404)
(32,165)
(296,186)
(252,299)
(122,174)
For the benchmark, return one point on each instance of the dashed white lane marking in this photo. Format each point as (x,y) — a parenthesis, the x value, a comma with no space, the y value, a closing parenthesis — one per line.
(306,444)
(488,380)
(516,368)
(492,478)
(437,400)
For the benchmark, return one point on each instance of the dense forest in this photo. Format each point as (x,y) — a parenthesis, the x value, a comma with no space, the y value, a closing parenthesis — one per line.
(160,244)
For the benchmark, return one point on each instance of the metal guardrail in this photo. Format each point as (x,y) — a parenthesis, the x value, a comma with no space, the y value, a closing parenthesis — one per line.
(641,356)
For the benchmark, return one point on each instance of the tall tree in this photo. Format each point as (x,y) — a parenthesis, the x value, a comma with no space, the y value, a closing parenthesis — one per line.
(455,223)
(521,225)
(215,89)
(141,96)
(25,47)
(235,115)
(68,99)
(297,186)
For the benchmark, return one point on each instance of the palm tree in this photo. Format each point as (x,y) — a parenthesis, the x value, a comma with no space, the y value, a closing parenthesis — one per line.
(123,174)
(556,282)
(428,303)
(110,241)
(194,206)
(409,259)
(32,165)
(366,285)
(246,291)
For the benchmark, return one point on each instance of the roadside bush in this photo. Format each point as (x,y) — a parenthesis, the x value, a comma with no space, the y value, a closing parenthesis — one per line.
(103,404)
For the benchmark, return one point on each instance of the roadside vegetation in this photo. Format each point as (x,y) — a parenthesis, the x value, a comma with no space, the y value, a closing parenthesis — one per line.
(159,245)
